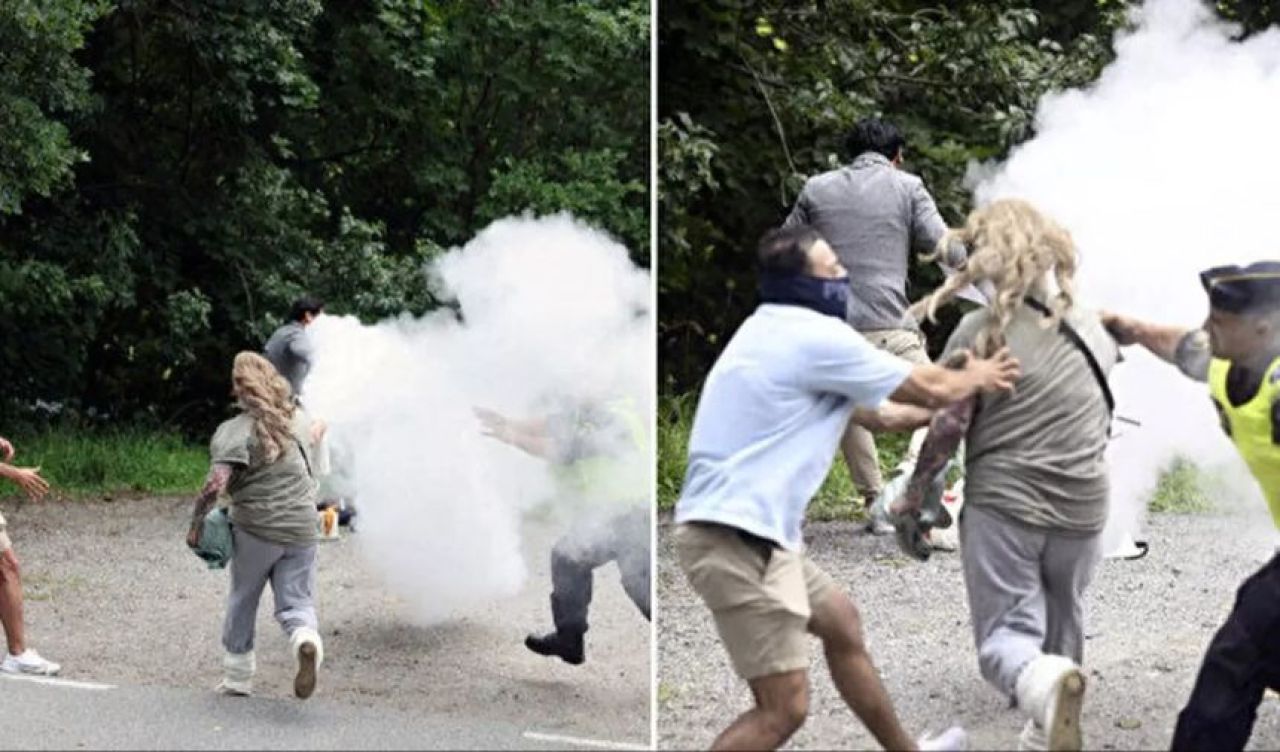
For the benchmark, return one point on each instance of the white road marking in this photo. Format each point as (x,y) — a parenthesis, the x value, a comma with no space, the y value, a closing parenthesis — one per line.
(59,682)
(580,742)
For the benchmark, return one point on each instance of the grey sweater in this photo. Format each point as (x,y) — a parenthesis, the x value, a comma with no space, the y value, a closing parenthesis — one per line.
(289,350)
(873,215)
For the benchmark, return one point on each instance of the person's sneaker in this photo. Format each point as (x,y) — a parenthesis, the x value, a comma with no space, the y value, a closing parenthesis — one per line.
(953,738)
(878,518)
(567,646)
(29,663)
(1032,738)
(233,688)
(237,674)
(944,539)
(1050,690)
(308,651)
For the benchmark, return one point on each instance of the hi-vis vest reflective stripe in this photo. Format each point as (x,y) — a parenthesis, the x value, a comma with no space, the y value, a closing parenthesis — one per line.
(611,476)
(1251,429)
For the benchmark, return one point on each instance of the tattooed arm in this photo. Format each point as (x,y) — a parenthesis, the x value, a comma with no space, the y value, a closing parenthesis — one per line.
(219,474)
(946,431)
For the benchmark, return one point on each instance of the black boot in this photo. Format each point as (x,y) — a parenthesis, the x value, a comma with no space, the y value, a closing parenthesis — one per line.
(565,644)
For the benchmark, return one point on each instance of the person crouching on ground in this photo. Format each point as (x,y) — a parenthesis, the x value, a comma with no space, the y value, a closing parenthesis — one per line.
(1036,484)
(768,422)
(1237,351)
(262,458)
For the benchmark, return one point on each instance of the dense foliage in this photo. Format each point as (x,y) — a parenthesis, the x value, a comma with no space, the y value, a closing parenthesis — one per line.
(174,172)
(756,95)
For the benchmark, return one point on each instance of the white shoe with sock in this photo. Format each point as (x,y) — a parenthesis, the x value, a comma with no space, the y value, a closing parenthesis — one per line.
(237,674)
(30,663)
(308,651)
(951,740)
(1050,691)
(1032,738)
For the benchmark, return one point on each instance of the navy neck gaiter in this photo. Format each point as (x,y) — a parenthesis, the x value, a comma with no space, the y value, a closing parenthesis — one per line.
(826,296)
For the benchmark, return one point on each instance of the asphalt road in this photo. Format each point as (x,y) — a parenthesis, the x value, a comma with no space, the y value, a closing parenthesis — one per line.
(37,715)
(114,597)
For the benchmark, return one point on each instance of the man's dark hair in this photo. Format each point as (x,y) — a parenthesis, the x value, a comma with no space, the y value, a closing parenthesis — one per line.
(303,306)
(785,250)
(874,134)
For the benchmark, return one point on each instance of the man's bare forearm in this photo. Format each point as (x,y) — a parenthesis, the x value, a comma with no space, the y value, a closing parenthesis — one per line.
(893,416)
(535,443)
(1160,339)
(214,484)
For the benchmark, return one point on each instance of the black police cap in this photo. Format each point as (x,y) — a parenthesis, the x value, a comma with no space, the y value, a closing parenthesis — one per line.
(1236,289)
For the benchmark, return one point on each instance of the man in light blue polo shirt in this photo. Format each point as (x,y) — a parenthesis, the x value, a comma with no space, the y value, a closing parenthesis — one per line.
(768,422)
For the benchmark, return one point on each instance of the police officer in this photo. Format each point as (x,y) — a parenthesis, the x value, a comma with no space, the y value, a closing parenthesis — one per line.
(1237,351)
(596,449)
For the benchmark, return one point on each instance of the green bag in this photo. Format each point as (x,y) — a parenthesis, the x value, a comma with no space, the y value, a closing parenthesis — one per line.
(216,544)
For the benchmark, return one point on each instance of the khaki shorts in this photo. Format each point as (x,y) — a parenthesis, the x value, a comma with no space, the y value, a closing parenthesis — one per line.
(761,598)
(5,543)
(908,344)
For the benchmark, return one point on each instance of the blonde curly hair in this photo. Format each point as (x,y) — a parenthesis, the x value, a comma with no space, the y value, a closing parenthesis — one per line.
(1014,247)
(264,394)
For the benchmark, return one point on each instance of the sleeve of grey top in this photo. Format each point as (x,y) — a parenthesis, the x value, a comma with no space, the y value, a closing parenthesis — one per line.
(299,345)
(1192,355)
(927,225)
(800,212)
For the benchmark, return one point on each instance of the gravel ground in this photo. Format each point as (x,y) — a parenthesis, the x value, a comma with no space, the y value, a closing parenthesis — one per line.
(114,596)
(1148,622)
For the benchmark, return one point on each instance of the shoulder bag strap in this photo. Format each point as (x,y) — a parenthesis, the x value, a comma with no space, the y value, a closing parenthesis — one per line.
(1071,334)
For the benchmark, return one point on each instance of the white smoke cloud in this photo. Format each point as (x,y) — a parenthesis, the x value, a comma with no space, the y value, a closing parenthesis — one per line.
(1163,167)
(549,308)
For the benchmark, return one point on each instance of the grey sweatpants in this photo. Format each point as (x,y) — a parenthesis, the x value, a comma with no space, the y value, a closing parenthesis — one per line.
(1026,592)
(291,570)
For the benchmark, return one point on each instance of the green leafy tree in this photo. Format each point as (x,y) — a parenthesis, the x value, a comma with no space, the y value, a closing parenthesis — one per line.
(173,173)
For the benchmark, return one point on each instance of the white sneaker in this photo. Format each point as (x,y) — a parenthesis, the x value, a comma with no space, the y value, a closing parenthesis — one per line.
(308,651)
(1050,691)
(878,518)
(945,538)
(1032,738)
(953,739)
(237,674)
(30,663)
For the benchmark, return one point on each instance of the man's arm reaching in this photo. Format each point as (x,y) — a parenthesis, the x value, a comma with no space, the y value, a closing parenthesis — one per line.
(1188,349)
(935,386)
(892,416)
(530,436)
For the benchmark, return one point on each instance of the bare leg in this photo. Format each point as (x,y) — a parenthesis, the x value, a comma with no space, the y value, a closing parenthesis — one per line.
(782,702)
(836,622)
(11,603)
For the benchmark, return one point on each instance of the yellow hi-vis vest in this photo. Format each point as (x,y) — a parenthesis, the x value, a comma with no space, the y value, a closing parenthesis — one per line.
(1251,429)
(611,476)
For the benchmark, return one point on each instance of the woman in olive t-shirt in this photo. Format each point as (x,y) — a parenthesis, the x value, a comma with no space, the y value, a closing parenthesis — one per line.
(262,458)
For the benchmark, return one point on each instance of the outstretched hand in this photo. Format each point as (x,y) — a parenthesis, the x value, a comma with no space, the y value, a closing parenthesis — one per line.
(997,373)
(28,479)
(318,430)
(494,424)
(1122,328)
(6,449)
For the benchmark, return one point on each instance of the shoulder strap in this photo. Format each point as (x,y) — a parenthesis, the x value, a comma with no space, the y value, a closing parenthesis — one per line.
(1071,334)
